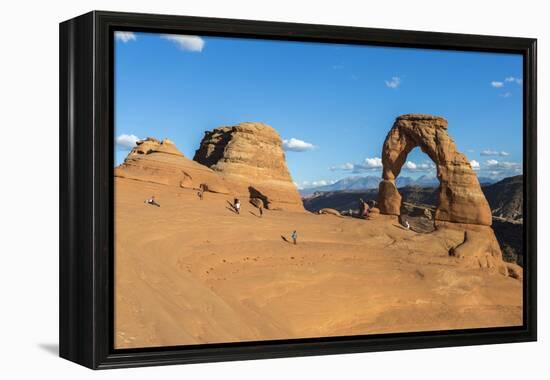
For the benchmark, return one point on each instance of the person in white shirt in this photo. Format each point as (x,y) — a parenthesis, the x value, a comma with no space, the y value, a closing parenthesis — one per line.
(152,201)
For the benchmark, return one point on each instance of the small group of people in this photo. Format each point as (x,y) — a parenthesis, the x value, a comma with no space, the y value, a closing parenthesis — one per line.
(236,206)
(364,209)
(236,202)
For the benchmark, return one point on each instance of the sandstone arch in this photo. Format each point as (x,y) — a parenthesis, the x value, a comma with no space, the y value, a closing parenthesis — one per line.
(460,197)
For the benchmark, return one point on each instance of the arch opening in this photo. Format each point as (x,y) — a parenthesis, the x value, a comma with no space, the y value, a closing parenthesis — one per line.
(419,188)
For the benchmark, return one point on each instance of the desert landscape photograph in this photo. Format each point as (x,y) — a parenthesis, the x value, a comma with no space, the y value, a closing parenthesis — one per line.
(268,190)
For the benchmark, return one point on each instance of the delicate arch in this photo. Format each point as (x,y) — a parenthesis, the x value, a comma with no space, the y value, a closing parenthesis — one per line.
(460,197)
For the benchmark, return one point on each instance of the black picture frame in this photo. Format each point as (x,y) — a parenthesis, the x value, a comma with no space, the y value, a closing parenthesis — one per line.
(86,189)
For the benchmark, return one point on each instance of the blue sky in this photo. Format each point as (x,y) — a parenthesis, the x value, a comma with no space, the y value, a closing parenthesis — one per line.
(332,104)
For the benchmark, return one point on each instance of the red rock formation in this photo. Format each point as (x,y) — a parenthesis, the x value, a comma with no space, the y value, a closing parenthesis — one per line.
(161,162)
(250,158)
(460,197)
(463,209)
(479,248)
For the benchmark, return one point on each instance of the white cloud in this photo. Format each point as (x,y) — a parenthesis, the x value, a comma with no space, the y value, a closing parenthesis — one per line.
(309,184)
(410,165)
(369,164)
(513,79)
(296,145)
(320,183)
(346,166)
(413,166)
(394,82)
(503,164)
(501,84)
(375,162)
(500,169)
(126,142)
(490,152)
(125,36)
(474,164)
(184,42)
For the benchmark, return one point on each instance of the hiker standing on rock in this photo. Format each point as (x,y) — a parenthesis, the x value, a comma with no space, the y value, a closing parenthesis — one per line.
(294,236)
(237,206)
(261,209)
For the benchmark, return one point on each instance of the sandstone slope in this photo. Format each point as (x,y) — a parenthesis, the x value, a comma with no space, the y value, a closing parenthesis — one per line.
(193,271)
(161,162)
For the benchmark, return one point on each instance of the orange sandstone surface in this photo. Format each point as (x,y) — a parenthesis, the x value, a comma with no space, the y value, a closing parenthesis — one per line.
(193,271)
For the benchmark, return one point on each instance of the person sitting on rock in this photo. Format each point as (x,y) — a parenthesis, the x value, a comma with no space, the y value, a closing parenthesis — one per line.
(237,206)
(363,209)
(294,236)
(152,201)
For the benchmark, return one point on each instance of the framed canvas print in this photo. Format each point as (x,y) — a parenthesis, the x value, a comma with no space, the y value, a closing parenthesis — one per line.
(237,189)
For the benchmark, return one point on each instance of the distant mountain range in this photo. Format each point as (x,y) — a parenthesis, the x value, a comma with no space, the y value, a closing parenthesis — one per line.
(371,182)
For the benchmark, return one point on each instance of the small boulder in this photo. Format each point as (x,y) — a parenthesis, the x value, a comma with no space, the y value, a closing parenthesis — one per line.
(428,213)
(515,271)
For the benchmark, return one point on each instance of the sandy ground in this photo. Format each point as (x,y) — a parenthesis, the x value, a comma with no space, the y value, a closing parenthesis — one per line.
(193,271)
